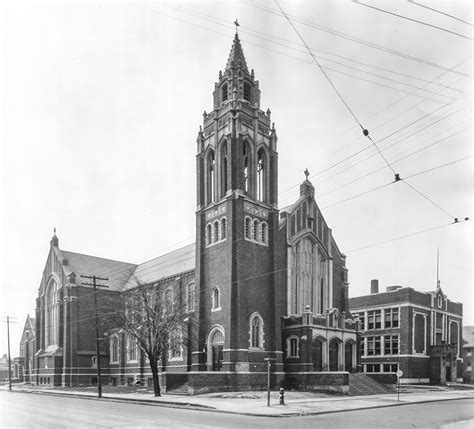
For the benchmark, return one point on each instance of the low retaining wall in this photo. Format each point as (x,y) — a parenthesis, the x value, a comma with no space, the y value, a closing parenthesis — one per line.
(388,378)
(206,382)
(337,382)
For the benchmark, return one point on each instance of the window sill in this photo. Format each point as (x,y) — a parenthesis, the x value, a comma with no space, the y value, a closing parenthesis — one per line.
(216,309)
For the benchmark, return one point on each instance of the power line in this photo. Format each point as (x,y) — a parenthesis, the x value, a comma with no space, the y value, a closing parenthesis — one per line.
(270,38)
(354,39)
(411,19)
(408,235)
(440,12)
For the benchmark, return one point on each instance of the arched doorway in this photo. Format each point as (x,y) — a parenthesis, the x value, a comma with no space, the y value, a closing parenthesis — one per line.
(317,355)
(217,347)
(348,357)
(334,355)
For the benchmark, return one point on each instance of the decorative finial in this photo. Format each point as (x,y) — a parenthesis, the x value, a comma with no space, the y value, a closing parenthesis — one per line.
(54,231)
(306,173)
(237,25)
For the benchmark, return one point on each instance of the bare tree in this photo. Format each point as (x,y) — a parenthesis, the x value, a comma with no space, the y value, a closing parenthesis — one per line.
(152,318)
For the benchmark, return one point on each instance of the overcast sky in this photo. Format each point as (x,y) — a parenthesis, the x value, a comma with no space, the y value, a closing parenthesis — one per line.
(101,103)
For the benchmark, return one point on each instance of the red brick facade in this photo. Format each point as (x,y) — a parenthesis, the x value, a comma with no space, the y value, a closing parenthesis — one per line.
(267,284)
(418,333)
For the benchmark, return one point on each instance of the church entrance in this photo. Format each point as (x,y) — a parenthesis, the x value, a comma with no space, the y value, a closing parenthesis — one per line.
(217,350)
(334,355)
(317,355)
(348,357)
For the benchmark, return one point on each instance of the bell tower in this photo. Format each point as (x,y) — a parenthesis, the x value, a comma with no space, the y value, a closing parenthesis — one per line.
(236,220)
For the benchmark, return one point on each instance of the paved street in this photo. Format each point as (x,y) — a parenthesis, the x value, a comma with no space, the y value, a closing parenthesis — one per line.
(23,410)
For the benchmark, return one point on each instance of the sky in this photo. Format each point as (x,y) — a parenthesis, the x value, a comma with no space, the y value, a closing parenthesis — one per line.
(101,103)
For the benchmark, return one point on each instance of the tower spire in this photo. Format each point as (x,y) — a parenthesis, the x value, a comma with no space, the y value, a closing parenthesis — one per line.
(236,56)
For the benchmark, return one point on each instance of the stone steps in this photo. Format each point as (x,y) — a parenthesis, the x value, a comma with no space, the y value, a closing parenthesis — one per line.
(362,384)
(181,389)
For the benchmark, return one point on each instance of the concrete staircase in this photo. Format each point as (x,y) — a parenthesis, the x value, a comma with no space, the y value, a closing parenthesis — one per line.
(362,384)
(181,389)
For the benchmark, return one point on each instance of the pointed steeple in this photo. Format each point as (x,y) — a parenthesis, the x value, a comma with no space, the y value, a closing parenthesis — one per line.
(236,56)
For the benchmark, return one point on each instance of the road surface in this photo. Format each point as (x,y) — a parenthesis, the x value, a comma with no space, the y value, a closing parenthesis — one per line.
(26,410)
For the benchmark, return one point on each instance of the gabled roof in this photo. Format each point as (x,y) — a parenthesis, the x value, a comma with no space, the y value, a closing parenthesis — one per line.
(117,272)
(236,56)
(170,264)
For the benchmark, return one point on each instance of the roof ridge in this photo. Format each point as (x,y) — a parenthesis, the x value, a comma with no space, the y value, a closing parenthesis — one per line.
(97,257)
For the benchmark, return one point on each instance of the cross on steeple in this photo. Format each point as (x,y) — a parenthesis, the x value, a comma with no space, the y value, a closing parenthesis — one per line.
(306,173)
(237,25)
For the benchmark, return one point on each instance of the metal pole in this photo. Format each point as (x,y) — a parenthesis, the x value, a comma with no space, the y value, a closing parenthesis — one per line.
(268,383)
(398,389)
(9,357)
(97,347)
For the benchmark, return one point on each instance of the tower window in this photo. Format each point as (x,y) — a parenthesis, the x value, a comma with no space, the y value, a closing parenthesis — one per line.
(216,299)
(246,154)
(261,175)
(223,228)
(211,177)
(224,169)
(292,347)
(264,233)
(256,331)
(209,234)
(247,89)
(256,230)
(216,231)
(225,92)
(248,228)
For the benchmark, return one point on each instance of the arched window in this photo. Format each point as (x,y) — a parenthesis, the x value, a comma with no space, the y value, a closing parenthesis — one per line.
(216,299)
(114,349)
(211,177)
(246,160)
(190,296)
(256,230)
(223,228)
(216,231)
(248,228)
(175,345)
(168,300)
(225,92)
(261,175)
(256,331)
(52,313)
(264,233)
(224,169)
(208,234)
(247,91)
(292,347)
(131,348)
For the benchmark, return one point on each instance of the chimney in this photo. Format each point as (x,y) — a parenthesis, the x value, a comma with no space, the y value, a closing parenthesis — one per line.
(374,286)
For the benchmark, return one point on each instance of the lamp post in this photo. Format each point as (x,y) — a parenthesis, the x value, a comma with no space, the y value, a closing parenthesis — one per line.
(357,321)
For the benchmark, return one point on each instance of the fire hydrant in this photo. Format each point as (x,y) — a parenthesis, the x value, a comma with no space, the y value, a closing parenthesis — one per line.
(282,396)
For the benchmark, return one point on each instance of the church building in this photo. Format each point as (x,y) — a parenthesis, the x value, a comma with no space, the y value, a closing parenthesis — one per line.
(261,284)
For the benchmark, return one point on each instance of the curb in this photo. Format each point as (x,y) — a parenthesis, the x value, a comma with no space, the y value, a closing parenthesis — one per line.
(199,407)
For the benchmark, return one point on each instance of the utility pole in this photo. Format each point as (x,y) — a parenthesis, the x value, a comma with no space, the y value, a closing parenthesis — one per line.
(8,321)
(97,346)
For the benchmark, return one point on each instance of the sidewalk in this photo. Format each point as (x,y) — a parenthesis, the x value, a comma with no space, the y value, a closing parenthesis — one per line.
(255,403)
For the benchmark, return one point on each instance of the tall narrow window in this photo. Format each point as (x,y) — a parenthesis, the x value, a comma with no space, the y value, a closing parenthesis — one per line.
(216,299)
(190,297)
(264,233)
(223,228)
(247,89)
(52,314)
(256,230)
(211,177)
(261,172)
(225,92)
(256,331)
(208,234)
(224,169)
(216,231)
(168,300)
(248,228)
(114,351)
(246,166)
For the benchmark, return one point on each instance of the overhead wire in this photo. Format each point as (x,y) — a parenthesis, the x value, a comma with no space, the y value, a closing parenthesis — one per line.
(411,19)
(352,38)
(364,130)
(440,12)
